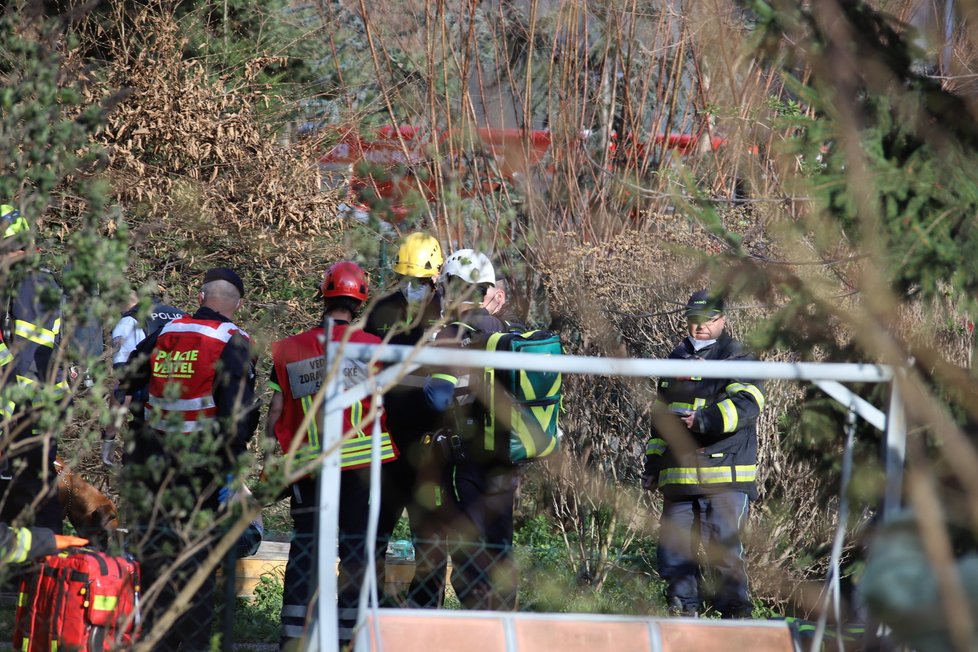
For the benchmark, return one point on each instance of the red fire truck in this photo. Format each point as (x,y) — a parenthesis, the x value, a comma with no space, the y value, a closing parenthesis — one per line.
(392,170)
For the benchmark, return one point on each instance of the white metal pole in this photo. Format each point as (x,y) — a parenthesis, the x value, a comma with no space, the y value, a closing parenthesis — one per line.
(635,367)
(369,590)
(845,396)
(896,450)
(833,597)
(948,37)
(326,632)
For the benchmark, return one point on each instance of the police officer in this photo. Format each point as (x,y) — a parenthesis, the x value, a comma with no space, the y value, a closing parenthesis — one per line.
(707,473)
(297,373)
(134,325)
(131,329)
(409,316)
(30,379)
(199,375)
(480,479)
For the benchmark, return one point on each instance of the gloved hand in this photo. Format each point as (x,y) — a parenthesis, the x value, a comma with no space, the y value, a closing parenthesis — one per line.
(225,492)
(439,392)
(108,452)
(63,541)
(649,482)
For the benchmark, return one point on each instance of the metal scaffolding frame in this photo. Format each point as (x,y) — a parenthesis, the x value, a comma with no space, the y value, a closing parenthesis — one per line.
(401,360)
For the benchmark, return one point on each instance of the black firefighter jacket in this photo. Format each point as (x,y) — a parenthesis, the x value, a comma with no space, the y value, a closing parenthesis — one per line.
(724,454)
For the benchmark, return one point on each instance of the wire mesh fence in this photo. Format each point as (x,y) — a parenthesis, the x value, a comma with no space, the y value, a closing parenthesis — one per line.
(229,590)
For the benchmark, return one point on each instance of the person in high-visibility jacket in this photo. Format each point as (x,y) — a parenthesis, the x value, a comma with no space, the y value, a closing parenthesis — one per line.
(19,545)
(478,487)
(702,456)
(410,316)
(200,412)
(299,369)
(31,380)
(131,329)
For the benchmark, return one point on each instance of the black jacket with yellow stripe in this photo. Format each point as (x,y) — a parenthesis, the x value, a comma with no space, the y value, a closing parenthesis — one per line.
(724,432)
(22,544)
(30,374)
(394,321)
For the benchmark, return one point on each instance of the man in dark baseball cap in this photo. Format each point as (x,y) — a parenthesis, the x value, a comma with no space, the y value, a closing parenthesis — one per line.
(704,305)
(225,274)
(707,484)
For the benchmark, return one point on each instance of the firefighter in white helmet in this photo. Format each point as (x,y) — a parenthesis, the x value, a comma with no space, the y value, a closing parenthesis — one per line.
(478,481)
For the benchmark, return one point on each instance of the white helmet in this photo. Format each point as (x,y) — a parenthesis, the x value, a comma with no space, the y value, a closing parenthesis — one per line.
(470,266)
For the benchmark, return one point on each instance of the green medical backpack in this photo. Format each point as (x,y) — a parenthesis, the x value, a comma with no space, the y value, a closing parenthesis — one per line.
(530,403)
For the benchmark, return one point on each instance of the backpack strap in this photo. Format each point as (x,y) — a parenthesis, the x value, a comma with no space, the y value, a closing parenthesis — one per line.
(489,375)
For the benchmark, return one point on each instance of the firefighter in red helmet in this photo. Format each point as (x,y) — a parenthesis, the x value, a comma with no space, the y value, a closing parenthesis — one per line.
(297,374)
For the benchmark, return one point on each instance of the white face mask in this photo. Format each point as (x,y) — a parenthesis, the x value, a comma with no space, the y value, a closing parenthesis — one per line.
(415,291)
(699,345)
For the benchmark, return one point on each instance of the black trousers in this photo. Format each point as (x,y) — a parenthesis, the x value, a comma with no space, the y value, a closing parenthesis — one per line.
(29,483)
(714,523)
(484,573)
(158,555)
(300,572)
(416,482)
(161,513)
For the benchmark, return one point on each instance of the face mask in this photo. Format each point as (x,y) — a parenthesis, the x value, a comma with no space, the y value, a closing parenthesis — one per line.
(415,291)
(699,345)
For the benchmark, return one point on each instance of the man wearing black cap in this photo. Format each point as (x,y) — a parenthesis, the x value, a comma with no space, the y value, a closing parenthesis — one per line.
(199,415)
(702,455)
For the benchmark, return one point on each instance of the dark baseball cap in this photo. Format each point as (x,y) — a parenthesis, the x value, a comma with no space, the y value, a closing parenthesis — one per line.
(225,274)
(702,304)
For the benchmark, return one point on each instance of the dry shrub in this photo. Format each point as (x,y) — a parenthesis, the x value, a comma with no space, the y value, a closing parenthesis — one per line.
(206,180)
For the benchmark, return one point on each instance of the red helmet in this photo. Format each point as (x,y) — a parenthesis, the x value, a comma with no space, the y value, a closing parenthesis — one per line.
(345,279)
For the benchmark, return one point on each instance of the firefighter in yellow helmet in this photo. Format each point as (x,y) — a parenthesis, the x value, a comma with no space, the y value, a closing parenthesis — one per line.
(407,316)
(419,256)
(30,379)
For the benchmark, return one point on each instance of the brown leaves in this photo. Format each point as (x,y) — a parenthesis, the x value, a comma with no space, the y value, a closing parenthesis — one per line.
(200,169)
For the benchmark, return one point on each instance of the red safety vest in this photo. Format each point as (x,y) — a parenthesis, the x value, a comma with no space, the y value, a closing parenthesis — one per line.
(187,351)
(300,370)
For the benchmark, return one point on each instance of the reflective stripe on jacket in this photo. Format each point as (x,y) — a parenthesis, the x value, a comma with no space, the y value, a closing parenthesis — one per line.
(185,356)
(725,453)
(299,373)
(5,356)
(28,357)
(21,544)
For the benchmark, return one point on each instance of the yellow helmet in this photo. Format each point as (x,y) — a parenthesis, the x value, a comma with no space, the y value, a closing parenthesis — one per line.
(11,221)
(419,256)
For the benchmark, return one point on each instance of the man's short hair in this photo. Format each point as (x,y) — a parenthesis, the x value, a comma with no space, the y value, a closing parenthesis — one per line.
(349,304)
